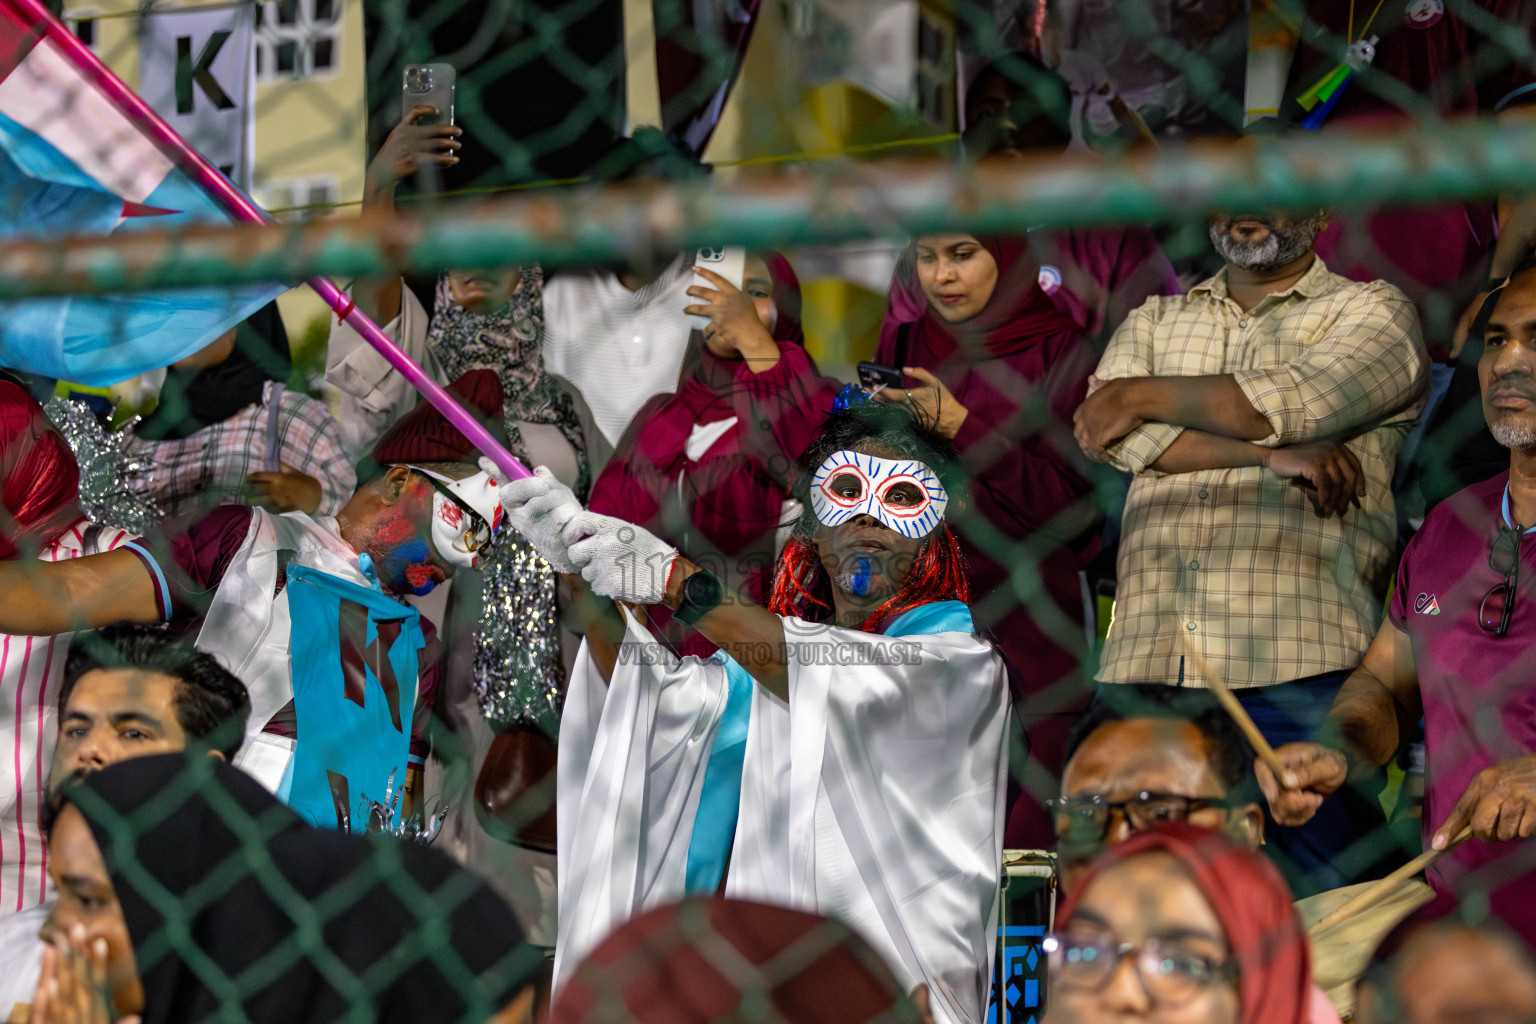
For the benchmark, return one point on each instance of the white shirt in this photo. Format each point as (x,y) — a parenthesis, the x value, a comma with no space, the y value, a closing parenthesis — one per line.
(619,347)
(31,670)
(879,800)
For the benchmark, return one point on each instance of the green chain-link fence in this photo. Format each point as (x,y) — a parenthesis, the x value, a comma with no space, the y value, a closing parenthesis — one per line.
(811,155)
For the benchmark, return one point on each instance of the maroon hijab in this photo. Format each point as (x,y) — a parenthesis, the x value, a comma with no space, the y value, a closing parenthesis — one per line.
(1253,905)
(705,375)
(736,489)
(786,298)
(708,382)
(1018,314)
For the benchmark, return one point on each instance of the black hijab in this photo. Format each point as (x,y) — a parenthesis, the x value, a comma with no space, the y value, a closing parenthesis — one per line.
(229,896)
(196,397)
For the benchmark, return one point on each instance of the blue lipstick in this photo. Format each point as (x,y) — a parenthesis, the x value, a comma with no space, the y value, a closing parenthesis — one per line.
(860,582)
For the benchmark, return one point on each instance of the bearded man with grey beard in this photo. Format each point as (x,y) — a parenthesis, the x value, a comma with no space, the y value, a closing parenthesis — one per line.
(1260,416)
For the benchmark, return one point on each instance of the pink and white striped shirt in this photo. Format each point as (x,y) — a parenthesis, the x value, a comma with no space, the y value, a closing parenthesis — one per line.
(31,670)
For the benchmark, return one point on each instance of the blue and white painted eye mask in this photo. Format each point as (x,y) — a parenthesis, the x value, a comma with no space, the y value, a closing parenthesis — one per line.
(852,483)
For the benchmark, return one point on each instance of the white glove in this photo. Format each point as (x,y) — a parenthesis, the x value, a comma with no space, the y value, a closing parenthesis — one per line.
(619,560)
(538,507)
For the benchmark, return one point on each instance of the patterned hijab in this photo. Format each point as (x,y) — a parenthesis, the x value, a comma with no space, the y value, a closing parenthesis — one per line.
(507,340)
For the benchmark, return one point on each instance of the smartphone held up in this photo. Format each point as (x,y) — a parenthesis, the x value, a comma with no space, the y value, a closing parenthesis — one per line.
(729,261)
(430,85)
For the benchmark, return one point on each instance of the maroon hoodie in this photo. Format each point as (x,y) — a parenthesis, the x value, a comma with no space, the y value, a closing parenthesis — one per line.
(721,497)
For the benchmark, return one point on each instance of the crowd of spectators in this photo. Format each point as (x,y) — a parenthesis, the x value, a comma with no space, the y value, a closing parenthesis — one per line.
(730,709)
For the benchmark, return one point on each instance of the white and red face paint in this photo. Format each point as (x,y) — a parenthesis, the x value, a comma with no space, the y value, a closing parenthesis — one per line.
(458,536)
(875,478)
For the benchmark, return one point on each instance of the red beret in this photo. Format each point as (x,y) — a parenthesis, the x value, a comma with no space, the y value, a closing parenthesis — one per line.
(425,435)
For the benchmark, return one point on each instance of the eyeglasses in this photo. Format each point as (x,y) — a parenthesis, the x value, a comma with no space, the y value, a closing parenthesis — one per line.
(477,532)
(1085,819)
(1498,605)
(1170,972)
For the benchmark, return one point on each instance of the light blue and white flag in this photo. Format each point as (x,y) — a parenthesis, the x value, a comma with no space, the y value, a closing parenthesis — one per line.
(74,161)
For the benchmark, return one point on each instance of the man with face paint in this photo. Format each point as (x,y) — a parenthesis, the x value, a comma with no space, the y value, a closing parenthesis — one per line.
(308,611)
(843,752)
(1261,415)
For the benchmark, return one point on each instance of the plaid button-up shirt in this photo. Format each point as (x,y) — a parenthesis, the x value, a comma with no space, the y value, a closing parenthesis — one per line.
(1235,561)
(209,467)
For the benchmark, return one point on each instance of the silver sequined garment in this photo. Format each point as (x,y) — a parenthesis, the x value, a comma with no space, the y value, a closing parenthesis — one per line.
(518,672)
(105,463)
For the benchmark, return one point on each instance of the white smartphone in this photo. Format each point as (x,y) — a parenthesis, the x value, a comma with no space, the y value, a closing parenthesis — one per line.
(429,85)
(729,261)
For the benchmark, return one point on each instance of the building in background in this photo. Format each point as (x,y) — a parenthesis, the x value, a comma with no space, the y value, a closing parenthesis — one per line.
(820,77)
(310,119)
(830,79)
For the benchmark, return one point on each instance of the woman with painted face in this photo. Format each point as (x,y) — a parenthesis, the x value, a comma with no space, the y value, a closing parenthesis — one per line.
(709,468)
(843,752)
(1000,370)
(309,612)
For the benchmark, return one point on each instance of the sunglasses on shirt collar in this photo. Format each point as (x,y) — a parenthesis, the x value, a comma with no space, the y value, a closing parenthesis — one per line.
(1498,605)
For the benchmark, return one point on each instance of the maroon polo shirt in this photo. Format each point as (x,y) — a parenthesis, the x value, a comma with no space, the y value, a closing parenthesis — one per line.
(1479,690)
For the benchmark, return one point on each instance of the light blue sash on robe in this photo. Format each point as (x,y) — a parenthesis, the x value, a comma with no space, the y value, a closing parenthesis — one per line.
(714,823)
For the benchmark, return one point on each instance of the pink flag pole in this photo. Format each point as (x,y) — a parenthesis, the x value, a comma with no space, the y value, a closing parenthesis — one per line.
(240,207)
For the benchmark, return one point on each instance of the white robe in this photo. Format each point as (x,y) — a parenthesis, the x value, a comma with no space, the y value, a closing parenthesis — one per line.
(878,799)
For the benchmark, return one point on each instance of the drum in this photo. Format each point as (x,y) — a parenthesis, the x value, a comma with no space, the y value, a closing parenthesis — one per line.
(1341,953)
(1027,913)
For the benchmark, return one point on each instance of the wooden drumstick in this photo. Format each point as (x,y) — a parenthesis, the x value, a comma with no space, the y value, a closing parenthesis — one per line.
(1384,888)
(1235,709)
(1127,115)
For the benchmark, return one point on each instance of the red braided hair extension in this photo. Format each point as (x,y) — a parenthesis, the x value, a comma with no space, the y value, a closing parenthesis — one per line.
(800,567)
(938,574)
(802,588)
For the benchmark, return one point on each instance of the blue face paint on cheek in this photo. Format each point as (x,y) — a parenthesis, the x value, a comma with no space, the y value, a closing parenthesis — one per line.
(404,567)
